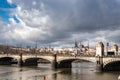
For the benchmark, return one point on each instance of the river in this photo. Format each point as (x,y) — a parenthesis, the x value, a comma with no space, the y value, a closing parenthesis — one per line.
(79,71)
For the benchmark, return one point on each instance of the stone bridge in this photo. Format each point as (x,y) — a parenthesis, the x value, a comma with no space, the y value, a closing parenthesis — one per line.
(60,61)
(102,61)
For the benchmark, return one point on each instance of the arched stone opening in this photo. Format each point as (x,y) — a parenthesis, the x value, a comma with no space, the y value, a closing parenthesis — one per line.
(8,61)
(34,61)
(68,62)
(112,66)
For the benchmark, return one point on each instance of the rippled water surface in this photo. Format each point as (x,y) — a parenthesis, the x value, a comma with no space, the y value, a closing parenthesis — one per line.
(80,71)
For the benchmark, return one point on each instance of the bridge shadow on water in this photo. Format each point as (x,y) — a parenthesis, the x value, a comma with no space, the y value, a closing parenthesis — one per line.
(112,66)
(7,61)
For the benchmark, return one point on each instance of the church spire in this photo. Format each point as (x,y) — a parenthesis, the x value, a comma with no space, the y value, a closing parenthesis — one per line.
(76,44)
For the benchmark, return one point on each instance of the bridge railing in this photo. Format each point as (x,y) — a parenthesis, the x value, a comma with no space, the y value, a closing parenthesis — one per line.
(59,54)
(50,54)
(114,56)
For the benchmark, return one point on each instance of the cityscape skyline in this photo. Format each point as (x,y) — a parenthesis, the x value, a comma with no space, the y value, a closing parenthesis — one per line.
(59,22)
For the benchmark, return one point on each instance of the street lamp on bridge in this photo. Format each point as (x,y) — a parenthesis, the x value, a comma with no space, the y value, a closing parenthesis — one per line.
(107,45)
(36,48)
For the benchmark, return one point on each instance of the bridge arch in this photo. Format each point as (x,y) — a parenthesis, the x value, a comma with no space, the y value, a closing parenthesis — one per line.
(8,60)
(113,64)
(67,63)
(37,59)
(33,61)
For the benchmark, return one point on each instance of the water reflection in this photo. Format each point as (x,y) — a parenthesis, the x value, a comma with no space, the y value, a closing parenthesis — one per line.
(38,78)
(80,71)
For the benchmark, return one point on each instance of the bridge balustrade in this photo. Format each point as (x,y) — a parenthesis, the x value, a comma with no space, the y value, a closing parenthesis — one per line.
(58,54)
(113,56)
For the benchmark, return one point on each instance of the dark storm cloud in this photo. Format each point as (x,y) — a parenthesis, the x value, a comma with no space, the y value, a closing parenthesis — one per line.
(84,16)
(79,19)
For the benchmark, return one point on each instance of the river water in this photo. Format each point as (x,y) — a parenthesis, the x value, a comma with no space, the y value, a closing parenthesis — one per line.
(79,71)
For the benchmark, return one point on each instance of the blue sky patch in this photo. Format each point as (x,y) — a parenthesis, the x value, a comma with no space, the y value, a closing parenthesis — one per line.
(16,19)
(5,11)
(5,4)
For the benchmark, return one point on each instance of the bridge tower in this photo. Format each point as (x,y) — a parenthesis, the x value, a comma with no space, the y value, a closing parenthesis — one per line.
(100,49)
(115,48)
(99,56)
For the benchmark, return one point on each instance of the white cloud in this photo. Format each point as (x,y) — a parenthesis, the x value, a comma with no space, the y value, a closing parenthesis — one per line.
(10,1)
(33,25)
(33,17)
(12,20)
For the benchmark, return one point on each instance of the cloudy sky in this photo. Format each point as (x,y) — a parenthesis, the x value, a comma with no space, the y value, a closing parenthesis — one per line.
(59,22)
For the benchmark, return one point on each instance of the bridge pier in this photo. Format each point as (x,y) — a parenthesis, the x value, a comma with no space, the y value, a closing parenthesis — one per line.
(99,68)
(99,64)
(54,63)
(20,62)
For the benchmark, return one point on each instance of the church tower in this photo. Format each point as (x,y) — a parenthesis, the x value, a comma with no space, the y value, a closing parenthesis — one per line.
(76,44)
